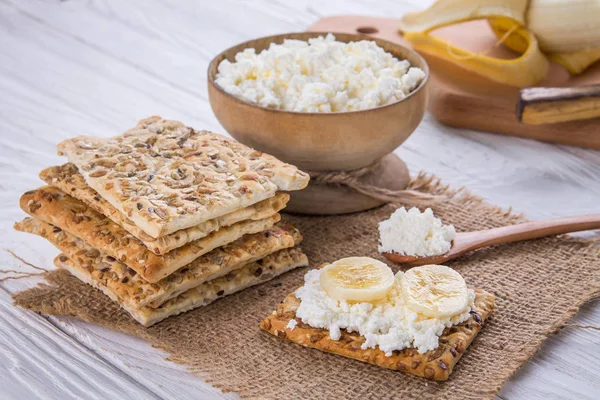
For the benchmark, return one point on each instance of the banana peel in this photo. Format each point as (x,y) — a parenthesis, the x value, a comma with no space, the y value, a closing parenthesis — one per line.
(449,12)
(526,70)
(577,61)
(508,20)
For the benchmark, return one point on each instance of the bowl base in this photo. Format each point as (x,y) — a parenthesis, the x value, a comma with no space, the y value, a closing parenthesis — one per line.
(322,199)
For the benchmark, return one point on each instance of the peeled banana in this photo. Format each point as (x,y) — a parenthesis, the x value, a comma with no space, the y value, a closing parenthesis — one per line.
(565,26)
(565,31)
(360,279)
(431,291)
(435,291)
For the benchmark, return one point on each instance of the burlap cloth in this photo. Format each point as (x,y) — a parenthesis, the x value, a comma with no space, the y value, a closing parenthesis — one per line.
(538,285)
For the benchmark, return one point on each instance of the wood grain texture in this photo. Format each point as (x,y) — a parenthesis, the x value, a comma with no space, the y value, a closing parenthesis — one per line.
(96,67)
(32,366)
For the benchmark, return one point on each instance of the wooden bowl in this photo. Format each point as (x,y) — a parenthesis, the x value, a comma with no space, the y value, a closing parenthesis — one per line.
(320,141)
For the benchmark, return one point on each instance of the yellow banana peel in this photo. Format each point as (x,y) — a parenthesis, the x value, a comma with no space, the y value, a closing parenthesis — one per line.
(502,27)
(526,70)
(510,20)
(577,61)
(448,12)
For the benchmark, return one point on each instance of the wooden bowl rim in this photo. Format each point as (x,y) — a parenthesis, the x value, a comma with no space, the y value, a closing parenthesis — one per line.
(283,36)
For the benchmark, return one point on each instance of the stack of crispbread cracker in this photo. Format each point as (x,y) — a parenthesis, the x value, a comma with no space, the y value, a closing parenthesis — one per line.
(164,218)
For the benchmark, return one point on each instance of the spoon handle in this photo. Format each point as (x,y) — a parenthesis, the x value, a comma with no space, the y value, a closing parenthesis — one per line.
(531,230)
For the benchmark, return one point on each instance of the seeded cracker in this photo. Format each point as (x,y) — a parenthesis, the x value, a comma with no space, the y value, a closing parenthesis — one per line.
(435,364)
(165,176)
(134,292)
(68,179)
(249,275)
(59,209)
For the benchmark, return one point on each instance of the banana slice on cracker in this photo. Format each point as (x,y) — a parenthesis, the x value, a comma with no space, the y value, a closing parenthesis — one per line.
(360,279)
(435,291)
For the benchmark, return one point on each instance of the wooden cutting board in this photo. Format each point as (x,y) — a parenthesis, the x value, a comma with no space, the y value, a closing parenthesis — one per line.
(463,99)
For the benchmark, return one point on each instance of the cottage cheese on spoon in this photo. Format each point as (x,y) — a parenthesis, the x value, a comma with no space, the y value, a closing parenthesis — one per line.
(321,75)
(415,233)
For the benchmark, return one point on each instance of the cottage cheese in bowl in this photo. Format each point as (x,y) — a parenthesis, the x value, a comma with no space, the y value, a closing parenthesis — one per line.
(319,75)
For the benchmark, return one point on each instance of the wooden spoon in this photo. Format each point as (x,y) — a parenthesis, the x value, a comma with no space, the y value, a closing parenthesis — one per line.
(467,241)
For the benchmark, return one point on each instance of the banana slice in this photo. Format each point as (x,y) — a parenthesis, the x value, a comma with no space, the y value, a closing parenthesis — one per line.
(435,291)
(357,279)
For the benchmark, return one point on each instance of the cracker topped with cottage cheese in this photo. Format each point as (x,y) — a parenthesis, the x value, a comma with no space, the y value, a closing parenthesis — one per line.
(420,321)
(319,75)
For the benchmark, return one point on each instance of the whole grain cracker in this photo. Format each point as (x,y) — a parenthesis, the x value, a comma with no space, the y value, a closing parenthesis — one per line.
(251,274)
(165,176)
(55,207)
(435,364)
(68,179)
(133,291)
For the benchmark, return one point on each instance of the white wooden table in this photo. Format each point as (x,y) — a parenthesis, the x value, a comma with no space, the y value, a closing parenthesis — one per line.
(96,67)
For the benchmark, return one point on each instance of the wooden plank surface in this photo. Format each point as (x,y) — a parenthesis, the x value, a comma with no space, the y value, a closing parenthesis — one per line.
(32,367)
(96,67)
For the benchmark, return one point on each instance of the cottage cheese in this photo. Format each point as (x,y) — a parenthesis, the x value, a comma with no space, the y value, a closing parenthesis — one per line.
(415,233)
(321,75)
(388,324)
(291,324)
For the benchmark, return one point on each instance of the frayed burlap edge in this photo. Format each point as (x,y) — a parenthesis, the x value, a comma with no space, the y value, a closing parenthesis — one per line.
(422,183)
